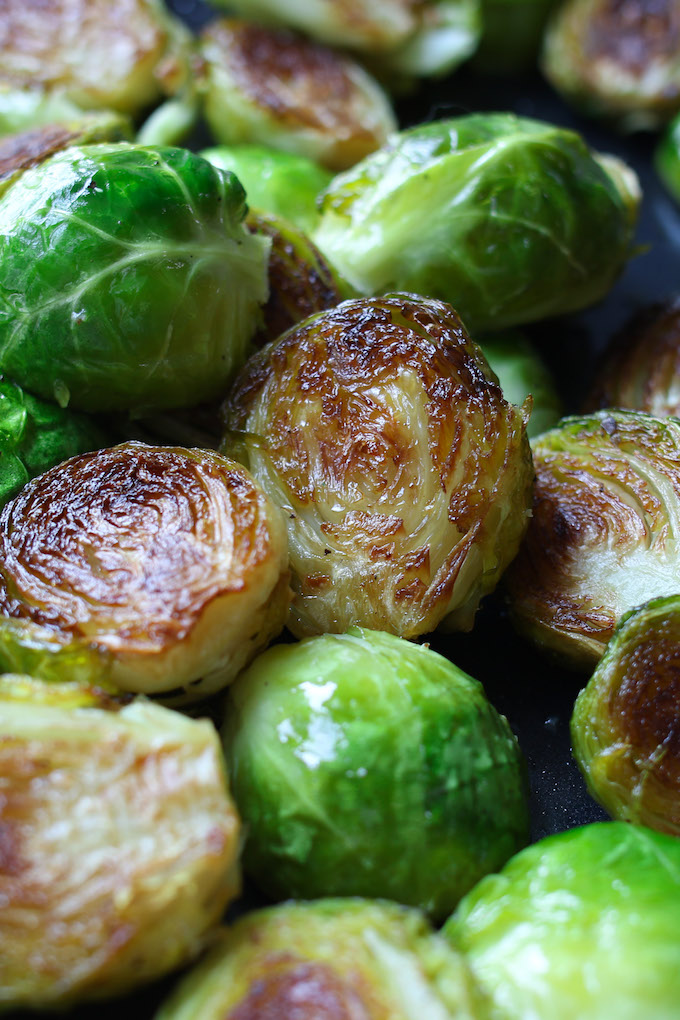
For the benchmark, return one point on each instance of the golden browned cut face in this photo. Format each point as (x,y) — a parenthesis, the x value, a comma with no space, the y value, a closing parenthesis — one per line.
(171,563)
(404,474)
(118,843)
(121,56)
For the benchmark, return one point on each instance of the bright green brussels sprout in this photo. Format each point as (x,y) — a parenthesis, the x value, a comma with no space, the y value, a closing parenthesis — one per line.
(129,279)
(667,157)
(641,366)
(334,959)
(35,435)
(301,281)
(521,372)
(272,87)
(416,37)
(404,474)
(363,764)
(58,58)
(625,722)
(581,924)
(154,569)
(601,539)
(510,219)
(276,182)
(119,842)
(512,33)
(617,60)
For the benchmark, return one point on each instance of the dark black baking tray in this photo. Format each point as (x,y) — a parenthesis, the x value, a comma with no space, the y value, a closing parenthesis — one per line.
(535,694)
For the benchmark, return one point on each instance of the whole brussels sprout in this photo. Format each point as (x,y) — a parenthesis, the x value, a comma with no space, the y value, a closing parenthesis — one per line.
(581,924)
(522,373)
(404,474)
(667,157)
(617,60)
(625,722)
(641,366)
(332,958)
(601,539)
(508,218)
(129,278)
(365,765)
(270,86)
(35,435)
(276,182)
(119,843)
(416,37)
(155,569)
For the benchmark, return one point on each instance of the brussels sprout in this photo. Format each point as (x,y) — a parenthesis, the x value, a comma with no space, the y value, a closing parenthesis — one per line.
(601,539)
(272,87)
(625,722)
(301,281)
(617,60)
(404,474)
(87,54)
(332,958)
(119,843)
(581,924)
(667,158)
(365,765)
(152,568)
(521,372)
(512,33)
(416,37)
(276,182)
(509,219)
(129,279)
(641,366)
(35,435)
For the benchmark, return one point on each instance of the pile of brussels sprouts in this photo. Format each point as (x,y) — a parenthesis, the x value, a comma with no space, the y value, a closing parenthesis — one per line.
(274,428)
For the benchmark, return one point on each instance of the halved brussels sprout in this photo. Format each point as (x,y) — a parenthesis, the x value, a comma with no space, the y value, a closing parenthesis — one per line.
(129,280)
(301,281)
(57,58)
(602,537)
(407,37)
(625,722)
(276,182)
(641,367)
(581,924)
(119,843)
(35,435)
(363,764)
(272,87)
(152,568)
(404,474)
(512,33)
(617,60)
(334,959)
(667,158)
(510,219)
(522,373)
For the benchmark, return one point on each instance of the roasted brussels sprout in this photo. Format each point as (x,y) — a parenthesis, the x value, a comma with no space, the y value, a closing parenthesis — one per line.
(301,281)
(129,280)
(332,959)
(270,86)
(119,842)
(641,366)
(35,435)
(404,474)
(625,722)
(620,60)
(408,37)
(276,182)
(522,373)
(601,538)
(512,33)
(510,219)
(667,158)
(363,764)
(581,924)
(152,568)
